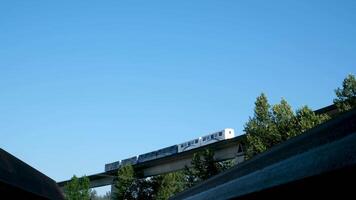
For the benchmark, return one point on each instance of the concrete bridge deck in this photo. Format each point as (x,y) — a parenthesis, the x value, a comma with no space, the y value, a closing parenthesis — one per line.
(224,150)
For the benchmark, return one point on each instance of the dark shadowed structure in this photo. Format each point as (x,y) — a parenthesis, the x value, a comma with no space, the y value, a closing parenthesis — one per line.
(18,180)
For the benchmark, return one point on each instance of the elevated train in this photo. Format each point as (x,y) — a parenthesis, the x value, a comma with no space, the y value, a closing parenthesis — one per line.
(178,148)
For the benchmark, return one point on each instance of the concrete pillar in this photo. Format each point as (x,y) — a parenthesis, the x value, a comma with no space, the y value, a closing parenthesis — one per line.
(113,189)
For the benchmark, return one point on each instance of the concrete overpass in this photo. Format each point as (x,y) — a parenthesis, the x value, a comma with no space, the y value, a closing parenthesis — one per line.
(224,150)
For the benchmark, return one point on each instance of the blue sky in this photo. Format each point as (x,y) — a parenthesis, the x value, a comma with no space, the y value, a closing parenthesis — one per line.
(84,83)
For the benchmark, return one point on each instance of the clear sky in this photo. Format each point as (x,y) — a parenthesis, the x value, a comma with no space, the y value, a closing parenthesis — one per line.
(84,83)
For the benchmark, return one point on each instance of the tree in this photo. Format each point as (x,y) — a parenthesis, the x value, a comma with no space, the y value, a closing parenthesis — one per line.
(141,189)
(107,196)
(346,96)
(203,167)
(270,126)
(282,119)
(123,183)
(169,185)
(259,128)
(95,196)
(77,189)
(129,186)
(307,119)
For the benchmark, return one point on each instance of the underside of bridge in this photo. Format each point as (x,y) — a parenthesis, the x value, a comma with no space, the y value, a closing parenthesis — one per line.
(18,180)
(331,184)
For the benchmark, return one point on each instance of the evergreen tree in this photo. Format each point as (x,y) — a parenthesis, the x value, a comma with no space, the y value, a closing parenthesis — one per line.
(77,189)
(141,189)
(124,182)
(169,185)
(203,167)
(260,129)
(307,119)
(270,126)
(129,186)
(95,196)
(282,117)
(346,96)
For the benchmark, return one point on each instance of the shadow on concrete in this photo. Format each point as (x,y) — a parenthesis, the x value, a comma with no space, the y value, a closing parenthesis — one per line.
(18,180)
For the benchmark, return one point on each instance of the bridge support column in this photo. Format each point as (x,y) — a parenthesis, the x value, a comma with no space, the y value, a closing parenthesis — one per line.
(113,189)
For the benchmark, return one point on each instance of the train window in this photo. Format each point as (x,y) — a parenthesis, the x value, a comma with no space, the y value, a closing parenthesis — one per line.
(212,136)
(181,146)
(196,141)
(220,133)
(204,139)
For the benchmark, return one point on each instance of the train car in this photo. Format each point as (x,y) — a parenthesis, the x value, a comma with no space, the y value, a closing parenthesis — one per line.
(167,151)
(129,161)
(217,136)
(147,156)
(112,166)
(229,133)
(158,154)
(192,144)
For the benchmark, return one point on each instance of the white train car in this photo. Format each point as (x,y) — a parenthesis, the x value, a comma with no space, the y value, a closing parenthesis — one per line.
(217,136)
(192,144)
(207,139)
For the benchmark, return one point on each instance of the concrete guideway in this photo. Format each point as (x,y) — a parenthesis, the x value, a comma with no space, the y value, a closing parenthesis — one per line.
(224,150)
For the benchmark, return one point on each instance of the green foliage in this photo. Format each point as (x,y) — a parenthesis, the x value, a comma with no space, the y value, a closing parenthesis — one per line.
(270,126)
(262,110)
(282,119)
(169,185)
(307,119)
(128,186)
(123,183)
(77,189)
(203,167)
(224,165)
(260,129)
(346,96)
(141,189)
